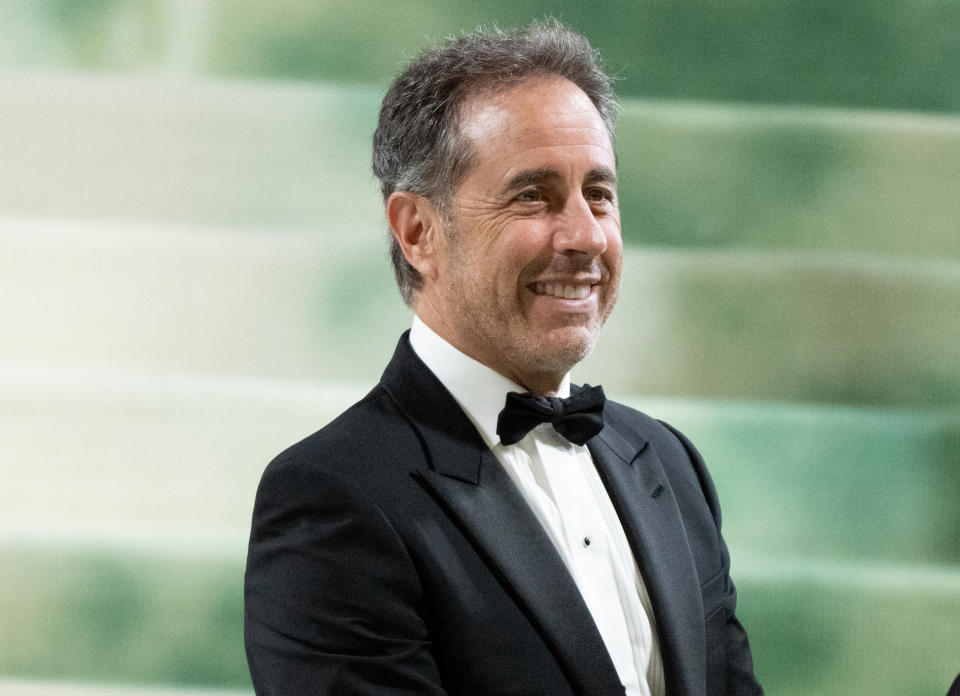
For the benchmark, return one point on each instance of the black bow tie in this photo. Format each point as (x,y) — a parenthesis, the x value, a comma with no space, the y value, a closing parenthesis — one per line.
(577,418)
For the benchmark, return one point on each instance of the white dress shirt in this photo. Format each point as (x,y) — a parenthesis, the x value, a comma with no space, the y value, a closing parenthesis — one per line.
(561,485)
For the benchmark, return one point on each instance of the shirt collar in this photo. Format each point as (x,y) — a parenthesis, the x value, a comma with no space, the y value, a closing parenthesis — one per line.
(480,391)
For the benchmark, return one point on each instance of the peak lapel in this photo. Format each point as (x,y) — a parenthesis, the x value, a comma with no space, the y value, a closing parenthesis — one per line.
(645,503)
(504,530)
(470,484)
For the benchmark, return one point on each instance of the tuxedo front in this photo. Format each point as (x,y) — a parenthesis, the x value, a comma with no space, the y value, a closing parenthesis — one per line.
(392,554)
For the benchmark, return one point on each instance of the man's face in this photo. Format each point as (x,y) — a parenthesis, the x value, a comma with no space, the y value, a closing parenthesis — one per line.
(529,267)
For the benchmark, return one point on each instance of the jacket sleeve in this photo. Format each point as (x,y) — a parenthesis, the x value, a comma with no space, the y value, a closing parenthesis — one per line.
(730,661)
(330,596)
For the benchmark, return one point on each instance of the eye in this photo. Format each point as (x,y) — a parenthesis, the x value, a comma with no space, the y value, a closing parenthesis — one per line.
(599,194)
(529,196)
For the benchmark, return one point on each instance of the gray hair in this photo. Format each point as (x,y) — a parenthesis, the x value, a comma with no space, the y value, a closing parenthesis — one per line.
(418,146)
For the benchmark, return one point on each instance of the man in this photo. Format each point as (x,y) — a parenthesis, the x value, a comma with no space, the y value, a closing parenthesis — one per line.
(422,543)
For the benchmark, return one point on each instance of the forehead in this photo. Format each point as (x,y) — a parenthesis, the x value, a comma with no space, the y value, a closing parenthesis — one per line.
(540,117)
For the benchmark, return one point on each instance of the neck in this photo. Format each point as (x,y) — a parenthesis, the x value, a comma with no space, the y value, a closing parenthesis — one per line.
(545,384)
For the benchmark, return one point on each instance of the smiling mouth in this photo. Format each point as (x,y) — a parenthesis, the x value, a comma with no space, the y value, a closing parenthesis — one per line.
(566,292)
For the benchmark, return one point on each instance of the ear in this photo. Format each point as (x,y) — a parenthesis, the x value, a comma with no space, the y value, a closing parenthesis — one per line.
(415,225)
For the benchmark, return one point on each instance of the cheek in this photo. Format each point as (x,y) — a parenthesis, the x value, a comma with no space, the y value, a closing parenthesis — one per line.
(613,231)
(614,252)
(529,245)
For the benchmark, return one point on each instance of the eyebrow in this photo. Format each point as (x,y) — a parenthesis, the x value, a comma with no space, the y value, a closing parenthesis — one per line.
(542,175)
(601,174)
(533,176)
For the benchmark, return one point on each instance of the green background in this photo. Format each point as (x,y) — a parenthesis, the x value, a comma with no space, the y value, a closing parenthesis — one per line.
(193,275)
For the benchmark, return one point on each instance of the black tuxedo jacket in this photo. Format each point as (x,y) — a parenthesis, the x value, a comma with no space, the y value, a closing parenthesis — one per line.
(392,554)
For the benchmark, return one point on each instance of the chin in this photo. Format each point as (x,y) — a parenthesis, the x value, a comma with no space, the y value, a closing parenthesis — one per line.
(564,349)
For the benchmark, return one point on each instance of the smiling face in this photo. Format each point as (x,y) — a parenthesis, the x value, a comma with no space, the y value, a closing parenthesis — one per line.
(528,267)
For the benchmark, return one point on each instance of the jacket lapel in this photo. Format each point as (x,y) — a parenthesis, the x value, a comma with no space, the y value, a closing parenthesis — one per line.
(468,481)
(640,492)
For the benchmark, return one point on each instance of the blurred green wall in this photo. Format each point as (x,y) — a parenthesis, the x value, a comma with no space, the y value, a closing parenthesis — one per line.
(193,275)
(884,54)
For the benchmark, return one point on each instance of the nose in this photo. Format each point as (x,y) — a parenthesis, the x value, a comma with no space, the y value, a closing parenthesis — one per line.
(578,230)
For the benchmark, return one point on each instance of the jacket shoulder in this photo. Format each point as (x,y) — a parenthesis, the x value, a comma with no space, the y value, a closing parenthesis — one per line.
(369,446)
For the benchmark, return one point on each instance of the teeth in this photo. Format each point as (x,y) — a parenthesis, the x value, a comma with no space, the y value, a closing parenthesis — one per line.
(568,292)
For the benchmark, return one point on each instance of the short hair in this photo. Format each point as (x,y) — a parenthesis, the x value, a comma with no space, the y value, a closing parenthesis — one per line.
(418,146)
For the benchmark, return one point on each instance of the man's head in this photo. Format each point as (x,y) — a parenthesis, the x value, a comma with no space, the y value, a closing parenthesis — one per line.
(418,145)
(495,158)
